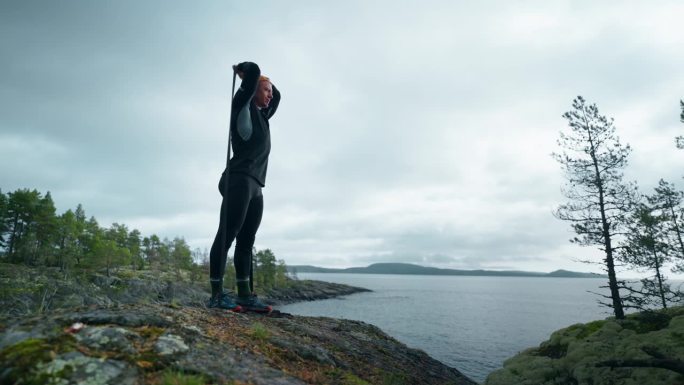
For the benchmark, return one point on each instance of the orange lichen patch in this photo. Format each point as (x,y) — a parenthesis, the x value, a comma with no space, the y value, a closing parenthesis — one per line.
(144,364)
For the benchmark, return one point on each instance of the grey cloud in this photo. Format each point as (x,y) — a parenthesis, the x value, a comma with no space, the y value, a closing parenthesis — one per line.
(122,107)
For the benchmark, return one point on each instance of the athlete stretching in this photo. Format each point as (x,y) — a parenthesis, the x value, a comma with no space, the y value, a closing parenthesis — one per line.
(254,104)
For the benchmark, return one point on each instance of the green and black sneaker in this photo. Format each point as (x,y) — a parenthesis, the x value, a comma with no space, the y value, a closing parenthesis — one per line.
(252,303)
(224,301)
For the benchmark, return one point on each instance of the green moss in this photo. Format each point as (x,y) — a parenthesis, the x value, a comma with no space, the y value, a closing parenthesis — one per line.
(678,338)
(26,353)
(259,332)
(552,350)
(175,304)
(675,311)
(395,379)
(150,332)
(172,377)
(344,377)
(646,322)
(589,329)
(22,358)
(352,379)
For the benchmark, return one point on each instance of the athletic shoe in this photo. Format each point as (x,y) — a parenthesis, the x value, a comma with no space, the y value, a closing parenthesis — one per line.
(224,301)
(253,304)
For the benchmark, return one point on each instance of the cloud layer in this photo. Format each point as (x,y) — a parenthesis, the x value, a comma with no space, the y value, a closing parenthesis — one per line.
(407,132)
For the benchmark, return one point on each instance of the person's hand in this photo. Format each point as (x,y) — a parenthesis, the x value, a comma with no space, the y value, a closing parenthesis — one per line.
(239,73)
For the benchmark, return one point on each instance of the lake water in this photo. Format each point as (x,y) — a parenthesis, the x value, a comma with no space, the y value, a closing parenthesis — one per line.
(470,323)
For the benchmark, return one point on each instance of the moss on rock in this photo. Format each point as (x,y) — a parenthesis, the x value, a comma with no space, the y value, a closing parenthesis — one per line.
(586,345)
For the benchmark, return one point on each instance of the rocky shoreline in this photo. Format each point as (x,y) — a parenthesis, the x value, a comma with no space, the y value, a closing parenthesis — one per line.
(147,329)
(309,290)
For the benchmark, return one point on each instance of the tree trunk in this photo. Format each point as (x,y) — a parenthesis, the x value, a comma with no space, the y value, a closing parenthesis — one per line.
(661,291)
(13,236)
(676,227)
(612,283)
(610,263)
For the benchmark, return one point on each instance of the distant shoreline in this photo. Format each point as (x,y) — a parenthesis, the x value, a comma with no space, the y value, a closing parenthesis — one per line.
(411,269)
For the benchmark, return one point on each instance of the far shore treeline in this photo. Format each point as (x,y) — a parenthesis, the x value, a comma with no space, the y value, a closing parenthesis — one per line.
(33,234)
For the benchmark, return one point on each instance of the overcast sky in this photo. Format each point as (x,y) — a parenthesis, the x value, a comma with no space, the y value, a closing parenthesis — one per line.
(408,131)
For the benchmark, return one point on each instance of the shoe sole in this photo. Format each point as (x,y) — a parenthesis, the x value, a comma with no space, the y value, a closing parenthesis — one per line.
(236,309)
(258,310)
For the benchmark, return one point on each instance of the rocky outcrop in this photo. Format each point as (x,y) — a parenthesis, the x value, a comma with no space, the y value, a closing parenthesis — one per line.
(143,344)
(143,328)
(644,349)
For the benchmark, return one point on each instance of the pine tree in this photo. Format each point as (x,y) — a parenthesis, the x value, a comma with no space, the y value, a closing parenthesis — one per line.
(90,240)
(134,244)
(265,273)
(45,229)
(4,203)
(67,240)
(680,139)
(281,277)
(647,249)
(599,201)
(668,201)
(81,249)
(115,246)
(181,256)
(22,210)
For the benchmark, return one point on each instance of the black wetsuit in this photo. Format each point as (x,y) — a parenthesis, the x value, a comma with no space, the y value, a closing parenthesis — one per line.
(243,203)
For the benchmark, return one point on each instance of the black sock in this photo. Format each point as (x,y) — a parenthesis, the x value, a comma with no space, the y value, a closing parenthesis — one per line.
(216,287)
(243,288)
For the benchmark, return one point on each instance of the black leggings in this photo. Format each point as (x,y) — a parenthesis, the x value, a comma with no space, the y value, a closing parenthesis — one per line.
(241,211)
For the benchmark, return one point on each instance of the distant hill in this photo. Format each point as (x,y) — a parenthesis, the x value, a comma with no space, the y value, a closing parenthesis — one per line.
(408,268)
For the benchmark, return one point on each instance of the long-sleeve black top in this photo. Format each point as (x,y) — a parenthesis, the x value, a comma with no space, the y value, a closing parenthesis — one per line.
(251,137)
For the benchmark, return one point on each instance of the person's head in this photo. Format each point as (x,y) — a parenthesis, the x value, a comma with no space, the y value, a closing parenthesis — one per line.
(264,92)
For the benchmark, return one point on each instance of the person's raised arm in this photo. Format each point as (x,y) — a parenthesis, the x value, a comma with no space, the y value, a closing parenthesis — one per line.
(249,73)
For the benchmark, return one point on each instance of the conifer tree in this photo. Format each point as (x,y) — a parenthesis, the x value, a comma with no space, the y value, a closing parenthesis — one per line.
(265,273)
(668,201)
(647,249)
(680,139)
(3,221)
(181,256)
(67,240)
(599,201)
(22,211)
(134,244)
(80,218)
(45,229)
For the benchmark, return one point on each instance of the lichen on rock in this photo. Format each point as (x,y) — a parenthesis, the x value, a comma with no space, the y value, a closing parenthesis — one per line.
(76,368)
(108,338)
(579,353)
(170,344)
